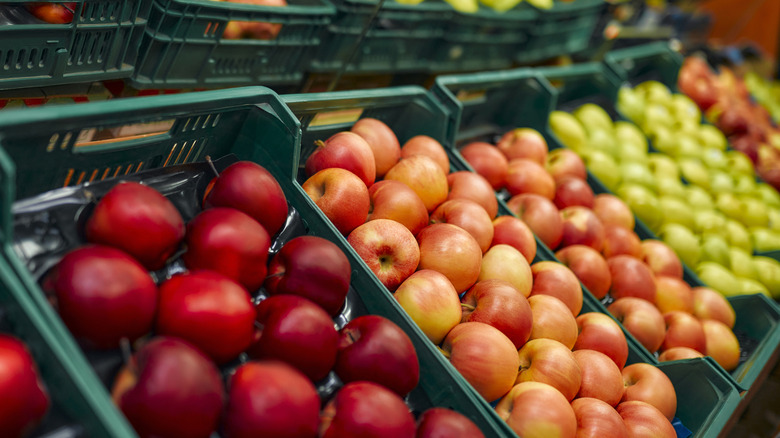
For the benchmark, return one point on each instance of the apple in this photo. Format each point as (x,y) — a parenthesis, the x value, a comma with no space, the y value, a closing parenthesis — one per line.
(53,13)
(524,143)
(565,162)
(382,141)
(642,319)
(527,176)
(721,344)
(487,161)
(394,200)
(593,117)
(719,278)
(596,419)
(170,388)
(375,349)
(683,330)
(468,215)
(572,191)
(548,361)
(541,215)
(738,236)
(661,258)
(603,167)
(768,270)
(249,187)
(452,251)
(647,383)
(208,309)
(601,378)
(537,410)
(619,240)
(485,357)
(504,262)
(472,186)
(715,248)
(270,398)
(388,248)
(512,231)
(555,279)
(709,304)
(599,332)
(569,131)
(341,195)
(366,409)
(230,242)
(298,332)
(552,320)
(431,301)
(643,202)
(103,295)
(423,175)
(440,422)
(498,303)
(673,294)
(589,267)
(581,227)
(346,150)
(427,146)
(311,267)
(631,278)
(645,421)
(150,234)
(260,30)
(25,399)
(678,353)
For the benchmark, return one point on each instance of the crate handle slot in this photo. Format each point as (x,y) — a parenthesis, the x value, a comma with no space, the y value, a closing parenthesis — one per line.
(94,137)
(324,118)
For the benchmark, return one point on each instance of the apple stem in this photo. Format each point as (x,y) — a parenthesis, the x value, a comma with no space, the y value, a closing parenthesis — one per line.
(319,143)
(467,306)
(126,350)
(445,353)
(211,164)
(278,274)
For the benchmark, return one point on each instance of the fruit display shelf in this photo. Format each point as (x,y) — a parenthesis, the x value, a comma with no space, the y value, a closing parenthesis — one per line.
(165,139)
(706,395)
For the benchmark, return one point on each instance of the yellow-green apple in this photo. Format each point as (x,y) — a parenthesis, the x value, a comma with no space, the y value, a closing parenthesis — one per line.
(642,319)
(565,162)
(552,319)
(555,279)
(541,215)
(722,344)
(25,398)
(647,383)
(345,150)
(537,410)
(709,304)
(474,187)
(512,231)
(571,191)
(504,262)
(768,270)
(601,378)
(581,227)
(429,299)
(604,167)
(683,330)
(394,200)
(485,357)
(661,258)
(527,176)
(599,332)
(498,303)
(452,251)
(631,278)
(468,215)
(643,202)
(487,161)
(427,146)
(569,131)
(644,420)
(422,175)
(673,294)
(388,248)
(676,211)
(548,361)
(525,143)
(438,422)
(619,240)
(678,353)
(383,142)
(596,419)
(589,266)
(270,398)
(366,409)
(374,348)
(341,196)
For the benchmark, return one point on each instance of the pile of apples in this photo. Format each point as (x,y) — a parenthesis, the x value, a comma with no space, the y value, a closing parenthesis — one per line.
(464,276)
(234,342)
(253,30)
(53,13)
(25,400)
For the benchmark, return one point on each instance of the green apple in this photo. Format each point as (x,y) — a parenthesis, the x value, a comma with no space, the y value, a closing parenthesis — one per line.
(739,162)
(631,153)
(629,133)
(642,202)
(683,242)
(719,278)
(655,92)
(715,248)
(663,165)
(664,140)
(720,182)
(687,147)
(774,218)
(729,204)
(683,108)
(745,185)
(689,128)
(593,117)
(738,236)
(656,114)
(676,211)
(631,104)
(712,137)
(603,140)
(750,286)
(742,263)
(695,172)
(754,213)
(637,173)
(569,131)
(666,186)
(714,159)
(699,199)
(768,270)
(765,239)
(709,222)
(603,167)
(768,194)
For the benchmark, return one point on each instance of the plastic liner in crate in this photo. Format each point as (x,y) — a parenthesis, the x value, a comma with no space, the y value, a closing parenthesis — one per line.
(244,123)
(100,42)
(183,45)
(653,61)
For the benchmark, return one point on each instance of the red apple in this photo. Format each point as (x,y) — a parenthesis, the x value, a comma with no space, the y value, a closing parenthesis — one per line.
(260,30)
(631,278)
(429,147)
(396,201)
(249,187)
(431,302)
(572,191)
(472,186)
(345,150)
(721,344)
(366,409)
(523,143)
(150,234)
(709,304)
(298,332)
(375,349)
(642,319)
(661,258)
(423,175)
(314,268)
(445,423)
(468,215)
(589,267)
(342,197)
(565,163)
(673,294)
(504,262)
(553,320)
(611,210)
(209,310)
(548,361)
(451,250)
(388,248)
(596,419)
(541,215)
(556,280)
(678,353)
(53,13)
(599,332)
(645,382)
(383,142)
(527,176)
(170,388)
(683,330)
(25,400)
(498,303)
(601,378)
(512,231)
(619,240)
(487,161)
(581,227)
(645,421)
(537,410)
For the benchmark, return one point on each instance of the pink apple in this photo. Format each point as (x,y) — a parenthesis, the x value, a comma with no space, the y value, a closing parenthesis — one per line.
(541,215)
(709,304)
(366,409)
(537,410)
(427,146)
(527,176)
(555,279)
(345,150)
(647,383)
(487,161)
(388,248)
(451,250)
(684,330)
(498,303)
(621,241)
(581,227)
(596,419)
(589,266)
(514,232)
(396,201)
(673,294)
(523,143)
(678,353)
(468,215)
(383,142)
(661,258)
(563,163)
(431,302)
(504,262)
(631,278)
(474,187)
(423,175)
(552,320)
(642,319)
(599,332)
(611,210)
(601,378)
(572,191)
(341,195)
(721,344)
(548,361)
(645,421)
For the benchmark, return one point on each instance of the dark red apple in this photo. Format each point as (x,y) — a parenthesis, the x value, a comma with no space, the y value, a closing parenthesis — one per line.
(366,409)
(631,277)
(24,400)
(446,423)
(571,191)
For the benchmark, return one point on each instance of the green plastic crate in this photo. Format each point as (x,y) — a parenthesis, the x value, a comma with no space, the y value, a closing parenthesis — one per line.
(183,44)
(101,43)
(653,61)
